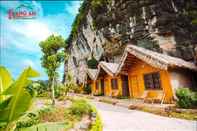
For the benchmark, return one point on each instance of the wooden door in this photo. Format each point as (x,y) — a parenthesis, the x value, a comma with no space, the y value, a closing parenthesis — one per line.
(125,85)
(134,86)
(102,86)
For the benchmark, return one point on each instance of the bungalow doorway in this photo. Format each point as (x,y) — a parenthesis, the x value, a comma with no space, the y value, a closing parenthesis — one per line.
(134,86)
(125,85)
(102,86)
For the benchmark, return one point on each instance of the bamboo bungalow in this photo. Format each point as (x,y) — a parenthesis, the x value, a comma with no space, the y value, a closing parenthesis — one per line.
(106,81)
(110,84)
(91,80)
(148,71)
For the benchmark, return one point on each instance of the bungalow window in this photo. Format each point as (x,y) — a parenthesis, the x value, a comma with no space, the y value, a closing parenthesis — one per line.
(152,81)
(114,83)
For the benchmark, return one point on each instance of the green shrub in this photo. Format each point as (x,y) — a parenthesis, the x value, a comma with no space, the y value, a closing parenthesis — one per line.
(194,98)
(186,98)
(92,63)
(59,90)
(76,89)
(28,120)
(70,84)
(80,107)
(46,110)
(87,89)
(42,88)
(97,124)
(32,118)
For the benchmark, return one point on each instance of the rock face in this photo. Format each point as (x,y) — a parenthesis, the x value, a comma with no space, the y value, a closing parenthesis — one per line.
(167,26)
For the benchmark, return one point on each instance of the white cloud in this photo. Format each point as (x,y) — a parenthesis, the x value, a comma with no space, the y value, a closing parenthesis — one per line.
(73,7)
(28,62)
(24,34)
(34,29)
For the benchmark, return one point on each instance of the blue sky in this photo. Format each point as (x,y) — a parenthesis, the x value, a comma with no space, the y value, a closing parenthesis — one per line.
(19,39)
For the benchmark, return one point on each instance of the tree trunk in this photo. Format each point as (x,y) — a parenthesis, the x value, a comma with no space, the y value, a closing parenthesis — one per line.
(52,92)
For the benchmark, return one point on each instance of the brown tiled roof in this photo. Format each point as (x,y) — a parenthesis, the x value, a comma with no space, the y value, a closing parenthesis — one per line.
(154,59)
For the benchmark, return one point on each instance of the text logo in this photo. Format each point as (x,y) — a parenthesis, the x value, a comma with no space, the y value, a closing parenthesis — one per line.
(23,11)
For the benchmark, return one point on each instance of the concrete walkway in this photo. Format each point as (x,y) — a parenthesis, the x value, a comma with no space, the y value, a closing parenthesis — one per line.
(117,118)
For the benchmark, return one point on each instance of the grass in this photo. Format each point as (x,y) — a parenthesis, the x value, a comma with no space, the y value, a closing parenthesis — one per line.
(122,97)
(52,115)
(45,115)
(188,115)
(48,126)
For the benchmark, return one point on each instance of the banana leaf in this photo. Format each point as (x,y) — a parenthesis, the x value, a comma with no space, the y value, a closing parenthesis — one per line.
(20,100)
(5,81)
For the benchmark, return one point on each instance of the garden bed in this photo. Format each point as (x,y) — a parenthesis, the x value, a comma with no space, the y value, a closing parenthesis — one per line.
(171,111)
(79,115)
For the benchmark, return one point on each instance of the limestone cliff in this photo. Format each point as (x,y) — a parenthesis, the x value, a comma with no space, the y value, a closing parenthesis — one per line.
(104,27)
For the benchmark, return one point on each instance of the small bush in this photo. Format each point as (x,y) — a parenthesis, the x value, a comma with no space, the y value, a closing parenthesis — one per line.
(59,90)
(42,88)
(186,98)
(87,89)
(28,120)
(70,84)
(79,108)
(194,98)
(92,63)
(32,118)
(97,124)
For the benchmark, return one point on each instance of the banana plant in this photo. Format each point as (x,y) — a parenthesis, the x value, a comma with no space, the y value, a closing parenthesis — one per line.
(15,96)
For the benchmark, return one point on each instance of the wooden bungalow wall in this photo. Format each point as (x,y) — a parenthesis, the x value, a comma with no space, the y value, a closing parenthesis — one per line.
(136,80)
(108,91)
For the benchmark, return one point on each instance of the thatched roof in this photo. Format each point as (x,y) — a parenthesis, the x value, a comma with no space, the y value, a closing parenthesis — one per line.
(155,59)
(109,68)
(92,73)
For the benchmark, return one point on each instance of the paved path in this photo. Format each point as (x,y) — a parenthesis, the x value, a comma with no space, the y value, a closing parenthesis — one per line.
(121,119)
